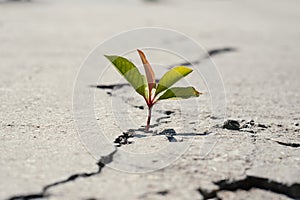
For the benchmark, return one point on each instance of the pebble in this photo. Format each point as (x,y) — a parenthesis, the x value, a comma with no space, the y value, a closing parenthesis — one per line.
(231,125)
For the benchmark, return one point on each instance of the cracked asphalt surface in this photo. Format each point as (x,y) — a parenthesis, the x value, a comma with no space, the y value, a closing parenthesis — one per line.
(256,48)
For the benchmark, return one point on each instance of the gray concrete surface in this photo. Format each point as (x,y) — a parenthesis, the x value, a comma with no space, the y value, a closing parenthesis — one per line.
(42,45)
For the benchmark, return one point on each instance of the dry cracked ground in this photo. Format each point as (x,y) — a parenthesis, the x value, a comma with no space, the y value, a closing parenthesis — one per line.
(256,48)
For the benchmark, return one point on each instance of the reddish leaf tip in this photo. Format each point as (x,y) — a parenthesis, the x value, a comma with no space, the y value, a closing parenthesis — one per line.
(148,69)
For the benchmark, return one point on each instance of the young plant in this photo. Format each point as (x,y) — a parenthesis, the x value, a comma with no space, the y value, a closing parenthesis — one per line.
(146,85)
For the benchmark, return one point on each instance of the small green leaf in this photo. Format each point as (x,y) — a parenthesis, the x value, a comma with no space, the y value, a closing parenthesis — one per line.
(130,73)
(171,77)
(180,93)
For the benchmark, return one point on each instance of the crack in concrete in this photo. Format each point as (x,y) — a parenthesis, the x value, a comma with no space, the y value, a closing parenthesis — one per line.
(103,161)
(123,139)
(113,86)
(160,192)
(210,53)
(289,144)
(250,182)
(110,87)
(217,51)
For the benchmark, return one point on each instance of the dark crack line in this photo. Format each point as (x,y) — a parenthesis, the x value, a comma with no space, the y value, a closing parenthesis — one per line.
(214,52)
(104,160)
(210,53)
(113,86)
(110,87)
(123,139)
(161,193)
(289,144)
(250,182)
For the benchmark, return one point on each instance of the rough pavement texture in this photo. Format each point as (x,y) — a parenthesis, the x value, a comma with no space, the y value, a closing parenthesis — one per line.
(42,46)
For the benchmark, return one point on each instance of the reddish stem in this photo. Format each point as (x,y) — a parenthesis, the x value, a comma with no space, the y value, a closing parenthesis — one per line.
(149,118)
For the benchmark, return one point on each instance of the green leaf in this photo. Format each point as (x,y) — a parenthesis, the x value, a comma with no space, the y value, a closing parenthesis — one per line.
(171,77)
(130,73)
(180,93)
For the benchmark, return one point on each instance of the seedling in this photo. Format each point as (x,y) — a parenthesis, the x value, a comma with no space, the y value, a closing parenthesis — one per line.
(146,85)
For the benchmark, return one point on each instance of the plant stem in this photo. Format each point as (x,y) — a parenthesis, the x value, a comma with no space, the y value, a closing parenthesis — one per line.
(149,118)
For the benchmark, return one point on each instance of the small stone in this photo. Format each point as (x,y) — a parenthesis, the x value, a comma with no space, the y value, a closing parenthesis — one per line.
(140,107)
(168,112)
(168,132)
(163,192)
(262,126)
(231,124)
